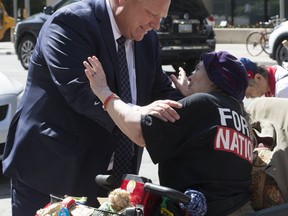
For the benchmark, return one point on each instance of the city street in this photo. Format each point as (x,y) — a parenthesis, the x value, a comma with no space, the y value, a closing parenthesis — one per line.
(10,66)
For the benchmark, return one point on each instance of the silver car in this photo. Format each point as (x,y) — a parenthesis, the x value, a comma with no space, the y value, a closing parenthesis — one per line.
(11,92)
(276,49)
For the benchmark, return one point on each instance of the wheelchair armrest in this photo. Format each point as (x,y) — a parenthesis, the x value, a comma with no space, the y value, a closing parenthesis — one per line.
(107,182)
(167,192)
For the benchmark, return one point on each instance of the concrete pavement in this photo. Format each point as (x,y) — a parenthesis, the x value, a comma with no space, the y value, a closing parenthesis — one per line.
(6,48)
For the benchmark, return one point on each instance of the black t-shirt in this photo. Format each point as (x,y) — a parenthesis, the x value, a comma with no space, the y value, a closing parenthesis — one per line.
(208,149)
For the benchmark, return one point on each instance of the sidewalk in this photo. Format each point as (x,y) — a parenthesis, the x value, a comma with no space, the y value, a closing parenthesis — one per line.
(6,48)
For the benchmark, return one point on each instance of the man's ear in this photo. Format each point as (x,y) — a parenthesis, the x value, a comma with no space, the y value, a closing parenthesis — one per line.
(258,76)
(122,2)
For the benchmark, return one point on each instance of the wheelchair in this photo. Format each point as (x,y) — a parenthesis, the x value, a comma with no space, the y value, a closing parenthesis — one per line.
(147,199)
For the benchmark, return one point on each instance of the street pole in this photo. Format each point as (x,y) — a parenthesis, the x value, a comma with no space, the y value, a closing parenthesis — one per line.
(15,10)
(15,6)
(282,9)
(27,8)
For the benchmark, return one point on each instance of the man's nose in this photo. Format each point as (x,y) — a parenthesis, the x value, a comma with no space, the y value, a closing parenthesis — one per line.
(155,23)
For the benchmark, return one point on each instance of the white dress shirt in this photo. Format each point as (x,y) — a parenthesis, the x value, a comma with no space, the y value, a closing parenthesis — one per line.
(129,47)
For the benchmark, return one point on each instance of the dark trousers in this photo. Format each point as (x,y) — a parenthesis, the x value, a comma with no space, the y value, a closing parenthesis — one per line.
(26,200)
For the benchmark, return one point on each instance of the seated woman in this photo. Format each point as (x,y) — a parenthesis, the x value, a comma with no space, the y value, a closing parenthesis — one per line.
(209,147)
(270,171)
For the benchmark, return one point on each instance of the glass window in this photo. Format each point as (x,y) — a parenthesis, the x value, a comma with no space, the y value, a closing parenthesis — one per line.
(221,11)
(244,13)
(248,12)
(272,8)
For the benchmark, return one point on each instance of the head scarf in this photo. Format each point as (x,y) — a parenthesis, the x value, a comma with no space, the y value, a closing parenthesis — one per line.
(227,72)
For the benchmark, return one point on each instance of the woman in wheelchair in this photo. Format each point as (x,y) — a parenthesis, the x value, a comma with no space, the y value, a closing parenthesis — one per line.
(203,141)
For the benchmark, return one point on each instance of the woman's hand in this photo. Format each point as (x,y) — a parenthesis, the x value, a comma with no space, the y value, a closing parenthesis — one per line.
(97,78)
(182,82)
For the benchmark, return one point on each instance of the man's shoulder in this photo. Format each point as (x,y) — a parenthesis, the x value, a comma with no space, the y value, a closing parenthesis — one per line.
(80,8)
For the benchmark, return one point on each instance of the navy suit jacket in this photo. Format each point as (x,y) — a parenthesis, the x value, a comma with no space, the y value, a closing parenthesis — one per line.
(61,137)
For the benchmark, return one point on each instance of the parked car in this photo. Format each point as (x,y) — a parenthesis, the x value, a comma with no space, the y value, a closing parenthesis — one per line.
(184,35)
(276,49)
(27,30)
(11,92)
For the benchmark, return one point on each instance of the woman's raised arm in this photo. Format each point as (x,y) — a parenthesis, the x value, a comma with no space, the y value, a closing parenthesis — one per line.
(126,117)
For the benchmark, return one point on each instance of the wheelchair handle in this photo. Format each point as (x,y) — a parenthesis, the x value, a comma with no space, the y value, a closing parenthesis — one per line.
(107,181)
(167,192)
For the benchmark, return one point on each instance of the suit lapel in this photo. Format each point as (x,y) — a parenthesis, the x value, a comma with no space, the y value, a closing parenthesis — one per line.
(103,19)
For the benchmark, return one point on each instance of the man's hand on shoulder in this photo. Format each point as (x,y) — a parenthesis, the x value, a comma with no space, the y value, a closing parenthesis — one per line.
(162,109)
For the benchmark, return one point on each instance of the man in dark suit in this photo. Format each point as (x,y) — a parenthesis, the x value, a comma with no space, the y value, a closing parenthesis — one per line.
(61,137)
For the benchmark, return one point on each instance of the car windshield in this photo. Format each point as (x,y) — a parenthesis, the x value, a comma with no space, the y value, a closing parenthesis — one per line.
(195,8)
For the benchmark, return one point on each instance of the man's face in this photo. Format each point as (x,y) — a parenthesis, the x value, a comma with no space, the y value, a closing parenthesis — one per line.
(257,87)
(141,17)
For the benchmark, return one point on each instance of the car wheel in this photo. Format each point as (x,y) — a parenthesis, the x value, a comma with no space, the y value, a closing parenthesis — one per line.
(25,50)
(281,54)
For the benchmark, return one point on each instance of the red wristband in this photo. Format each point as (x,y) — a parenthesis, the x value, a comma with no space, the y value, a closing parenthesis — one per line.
(108,100)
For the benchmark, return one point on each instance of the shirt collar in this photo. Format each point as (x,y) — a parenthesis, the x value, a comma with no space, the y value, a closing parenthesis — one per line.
(271,80)
(115,29)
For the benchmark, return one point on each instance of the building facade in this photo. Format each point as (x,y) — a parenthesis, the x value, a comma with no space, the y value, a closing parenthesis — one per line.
(242,13)
(237,13)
